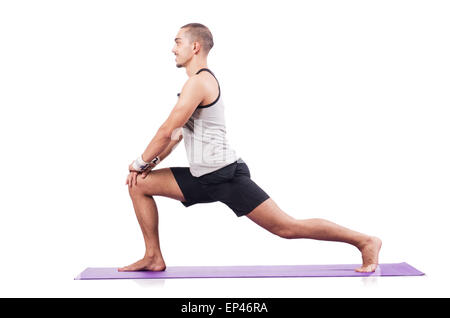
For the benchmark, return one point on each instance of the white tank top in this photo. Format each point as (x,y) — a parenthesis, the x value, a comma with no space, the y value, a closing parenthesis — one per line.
(204,135)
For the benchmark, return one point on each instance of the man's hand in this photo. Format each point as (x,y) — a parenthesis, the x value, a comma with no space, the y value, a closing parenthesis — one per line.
(132,179)
(147,171)
(131,169)
(133,175)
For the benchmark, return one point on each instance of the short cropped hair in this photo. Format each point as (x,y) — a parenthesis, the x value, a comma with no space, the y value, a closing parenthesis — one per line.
(200,33)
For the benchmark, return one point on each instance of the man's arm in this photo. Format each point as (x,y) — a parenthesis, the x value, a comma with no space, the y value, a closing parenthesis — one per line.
(171,146)
(190,97)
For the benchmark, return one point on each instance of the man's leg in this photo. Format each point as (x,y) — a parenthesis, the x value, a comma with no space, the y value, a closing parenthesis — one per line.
(272,218)
(158,182)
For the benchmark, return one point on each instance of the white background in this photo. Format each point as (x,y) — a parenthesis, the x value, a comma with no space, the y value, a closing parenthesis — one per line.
(351,98)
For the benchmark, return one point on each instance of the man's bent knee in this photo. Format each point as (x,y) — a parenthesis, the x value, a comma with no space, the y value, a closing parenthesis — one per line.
(290,230)
(159,182)
(137,188)
(286,233)
(283,231)
(134,190)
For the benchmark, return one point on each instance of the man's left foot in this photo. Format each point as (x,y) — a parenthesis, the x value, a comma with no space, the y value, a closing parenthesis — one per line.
(145,264)
(370,251)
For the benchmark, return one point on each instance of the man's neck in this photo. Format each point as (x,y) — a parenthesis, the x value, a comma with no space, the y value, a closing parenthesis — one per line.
(193,68)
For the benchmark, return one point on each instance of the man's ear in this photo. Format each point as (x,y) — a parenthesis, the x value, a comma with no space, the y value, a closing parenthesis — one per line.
(197,47)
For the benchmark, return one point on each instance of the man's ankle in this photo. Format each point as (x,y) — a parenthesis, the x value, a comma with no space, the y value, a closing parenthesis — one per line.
(363,242)
(151,254)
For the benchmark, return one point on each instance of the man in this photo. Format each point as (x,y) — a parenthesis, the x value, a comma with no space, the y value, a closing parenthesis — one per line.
(215,172)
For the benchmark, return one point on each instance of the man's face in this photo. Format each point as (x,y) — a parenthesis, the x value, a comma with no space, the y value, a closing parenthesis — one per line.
(182,49)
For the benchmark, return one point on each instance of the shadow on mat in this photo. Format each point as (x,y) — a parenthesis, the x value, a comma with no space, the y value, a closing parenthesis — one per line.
(155,283)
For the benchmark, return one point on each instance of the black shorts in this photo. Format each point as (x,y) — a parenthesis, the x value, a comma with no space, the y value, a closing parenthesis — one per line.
(230,185)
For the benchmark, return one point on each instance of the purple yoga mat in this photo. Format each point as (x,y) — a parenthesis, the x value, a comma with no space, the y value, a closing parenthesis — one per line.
(341,270)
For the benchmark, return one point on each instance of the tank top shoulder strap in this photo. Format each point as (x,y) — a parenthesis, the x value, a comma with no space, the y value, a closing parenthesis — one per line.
(208,70)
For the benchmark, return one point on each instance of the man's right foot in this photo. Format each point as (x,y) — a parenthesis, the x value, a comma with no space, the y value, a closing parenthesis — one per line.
(145,264)
(370,250)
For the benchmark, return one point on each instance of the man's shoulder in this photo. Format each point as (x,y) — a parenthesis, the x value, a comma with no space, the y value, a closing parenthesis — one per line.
(194,82)
(194,86)
(192,93)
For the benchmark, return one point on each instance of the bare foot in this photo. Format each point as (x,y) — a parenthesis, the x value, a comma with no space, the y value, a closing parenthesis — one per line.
(145,264)
(370,251)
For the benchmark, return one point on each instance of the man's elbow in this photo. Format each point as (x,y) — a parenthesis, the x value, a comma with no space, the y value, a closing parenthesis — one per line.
(170,132)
